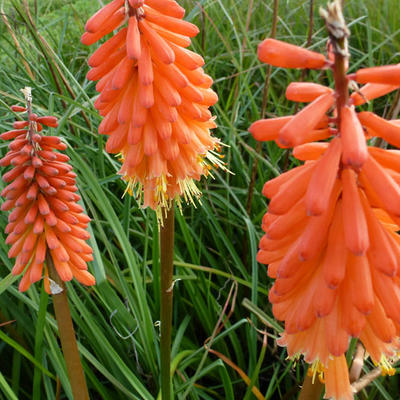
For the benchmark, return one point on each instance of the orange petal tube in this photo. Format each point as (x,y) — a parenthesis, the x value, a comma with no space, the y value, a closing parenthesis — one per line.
(381,127)
(297,129)
(305,91)
(155,99)
(371,91)
(285,55)
(387,74)
(45,215)
(354,145)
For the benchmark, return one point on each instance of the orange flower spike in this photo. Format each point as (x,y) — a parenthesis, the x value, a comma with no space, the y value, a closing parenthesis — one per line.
(294,132)
(305,91)
(39,220)
(353,139)
(154,97)
(355,224)
(323,179)
(387,74)
(381,127)
(331,227)
(285,55)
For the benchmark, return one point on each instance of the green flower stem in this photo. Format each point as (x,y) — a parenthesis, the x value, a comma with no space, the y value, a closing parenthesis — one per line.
(67,336)
(167,269)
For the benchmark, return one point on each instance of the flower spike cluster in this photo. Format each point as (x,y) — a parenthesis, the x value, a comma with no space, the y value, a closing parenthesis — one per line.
(41,195)
(154,97)
(331,238)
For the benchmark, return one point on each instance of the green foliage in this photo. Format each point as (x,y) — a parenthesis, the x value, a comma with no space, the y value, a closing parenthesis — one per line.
(116,321)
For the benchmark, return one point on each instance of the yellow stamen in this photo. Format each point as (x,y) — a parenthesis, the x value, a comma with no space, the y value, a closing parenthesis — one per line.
(187,186)
(316,368)
(385,366)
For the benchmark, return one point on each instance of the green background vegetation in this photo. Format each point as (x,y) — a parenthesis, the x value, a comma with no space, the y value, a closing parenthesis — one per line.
(216,243)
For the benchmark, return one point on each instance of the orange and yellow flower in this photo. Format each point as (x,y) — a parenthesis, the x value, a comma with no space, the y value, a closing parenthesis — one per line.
(41,195)
(331,238)
(154,97)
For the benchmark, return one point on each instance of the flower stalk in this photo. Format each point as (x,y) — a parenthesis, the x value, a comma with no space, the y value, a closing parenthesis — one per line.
(67,333)
(167,268)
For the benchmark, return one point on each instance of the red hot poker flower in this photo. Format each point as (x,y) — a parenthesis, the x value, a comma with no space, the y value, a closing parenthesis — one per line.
(154,97)
(331,238)
(41,195)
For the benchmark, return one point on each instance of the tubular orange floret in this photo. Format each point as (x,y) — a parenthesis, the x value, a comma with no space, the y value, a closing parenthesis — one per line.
(387,75)
(381,127)
(323,179)
(37,220)
(97,21)
(355,226)
(337,379)
(296,130)
(310,151)
(154,97)
(168,7)
(305,91)
(335,258)
(371,91)
(268,129)
(285,55)
(354,144)
(384,186)
(291,191)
